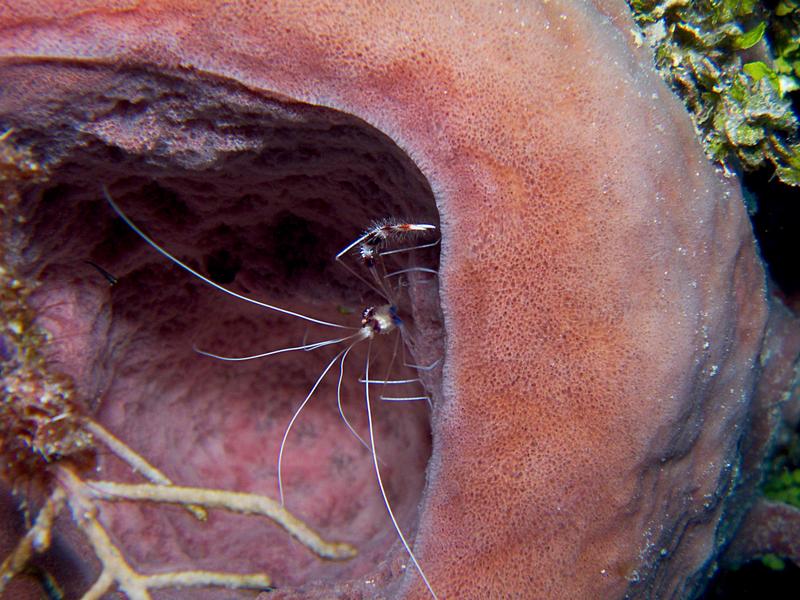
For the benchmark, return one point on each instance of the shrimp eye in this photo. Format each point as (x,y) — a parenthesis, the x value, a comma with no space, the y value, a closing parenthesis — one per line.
(367,315)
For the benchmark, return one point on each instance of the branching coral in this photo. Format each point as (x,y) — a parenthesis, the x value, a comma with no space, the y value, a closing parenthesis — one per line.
(54,466)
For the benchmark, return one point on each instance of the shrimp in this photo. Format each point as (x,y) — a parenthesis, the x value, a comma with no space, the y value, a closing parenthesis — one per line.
(364,259)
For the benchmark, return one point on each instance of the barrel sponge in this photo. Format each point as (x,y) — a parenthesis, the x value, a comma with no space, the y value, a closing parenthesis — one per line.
(603,301)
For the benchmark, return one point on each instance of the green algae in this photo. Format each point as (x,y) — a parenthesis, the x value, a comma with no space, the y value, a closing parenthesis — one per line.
(773,561)
(782,482)
(734,63)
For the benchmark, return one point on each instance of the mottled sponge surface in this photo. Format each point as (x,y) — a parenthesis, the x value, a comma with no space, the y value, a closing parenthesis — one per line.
(603,302)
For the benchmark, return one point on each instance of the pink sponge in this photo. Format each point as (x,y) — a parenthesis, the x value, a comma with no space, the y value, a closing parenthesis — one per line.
(603,303)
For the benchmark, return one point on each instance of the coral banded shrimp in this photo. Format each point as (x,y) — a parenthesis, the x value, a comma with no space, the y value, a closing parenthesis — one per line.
(365,259)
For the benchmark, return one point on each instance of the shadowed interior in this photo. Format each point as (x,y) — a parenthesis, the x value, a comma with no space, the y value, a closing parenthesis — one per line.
(259,195)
